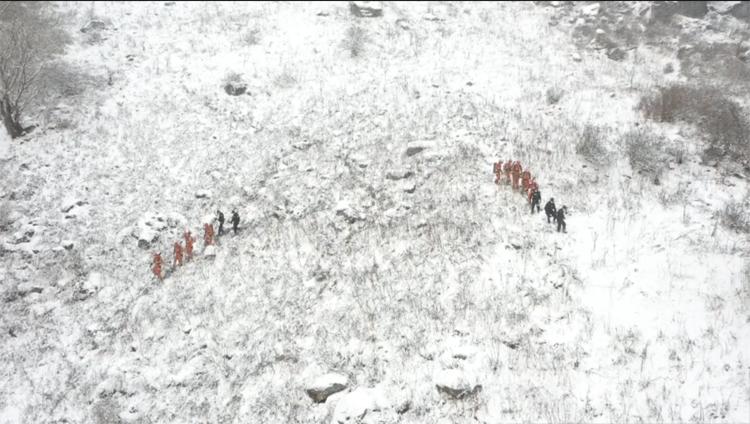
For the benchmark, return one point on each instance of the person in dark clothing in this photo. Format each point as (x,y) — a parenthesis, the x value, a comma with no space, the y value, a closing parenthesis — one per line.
(550,210)
(560,217)
(235,220)
(221,222)
(536,199)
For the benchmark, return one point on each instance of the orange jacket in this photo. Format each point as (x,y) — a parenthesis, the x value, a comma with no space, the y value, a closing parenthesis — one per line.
(516,168)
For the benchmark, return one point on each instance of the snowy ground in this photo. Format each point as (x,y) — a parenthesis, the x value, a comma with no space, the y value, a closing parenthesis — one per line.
(400,272)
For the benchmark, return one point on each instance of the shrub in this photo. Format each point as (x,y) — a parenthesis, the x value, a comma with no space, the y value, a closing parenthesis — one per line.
(645,153)
(718,117)
(676,197)
(590,145)
(735,215)
(251,37)
(354,40)
(553,95)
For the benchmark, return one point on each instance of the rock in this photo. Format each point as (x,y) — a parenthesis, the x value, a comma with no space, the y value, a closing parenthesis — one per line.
(25,289)
(366,9)
(399,174)
(344,210)
(326,385)
(591,9)
(70,203)
(353,406)
(668,68)
(617,54)
(94,25)
(744,56)
(664,10)
(146,231)
(432,18)
(203,194)
(210,251)
(577,57)
(738,9)
(68,244)
(414,148)
(456,384)
(235,88)
(409,187)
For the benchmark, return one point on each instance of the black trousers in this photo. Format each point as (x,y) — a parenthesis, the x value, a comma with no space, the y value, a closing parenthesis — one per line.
(535,204)
(554,218)
(221,228)
(561,224)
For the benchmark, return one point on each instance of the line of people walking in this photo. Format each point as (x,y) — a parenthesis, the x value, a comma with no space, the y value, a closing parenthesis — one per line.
(513,174)
(186,253)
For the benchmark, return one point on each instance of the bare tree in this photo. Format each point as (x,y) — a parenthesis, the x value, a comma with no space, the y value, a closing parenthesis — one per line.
(31,38)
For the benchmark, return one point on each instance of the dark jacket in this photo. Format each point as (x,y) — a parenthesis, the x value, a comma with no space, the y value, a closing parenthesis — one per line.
(536,197)
(221,218)
(235,218)
(560,215)
(549,208)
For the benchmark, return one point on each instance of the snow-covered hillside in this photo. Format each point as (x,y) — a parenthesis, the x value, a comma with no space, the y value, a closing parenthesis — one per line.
(377,260)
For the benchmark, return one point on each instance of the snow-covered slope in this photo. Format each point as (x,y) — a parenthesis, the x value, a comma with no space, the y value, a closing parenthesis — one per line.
(374,243)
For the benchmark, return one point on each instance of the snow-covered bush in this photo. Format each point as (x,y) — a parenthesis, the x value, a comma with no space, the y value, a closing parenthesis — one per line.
(251,37)
(590,145)
(735,215)
(644,151)
(720,118)
(354,40)
(553,95)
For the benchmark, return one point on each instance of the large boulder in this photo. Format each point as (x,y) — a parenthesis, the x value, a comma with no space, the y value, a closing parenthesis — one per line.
(591,9)
(151,224)
(456,384)
(399,174)
(321,387)
(366,9)
(617,54)
(353,406)
(235,88)
(94,25)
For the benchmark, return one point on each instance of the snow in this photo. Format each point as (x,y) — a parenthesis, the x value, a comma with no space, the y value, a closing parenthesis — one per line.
(394,272)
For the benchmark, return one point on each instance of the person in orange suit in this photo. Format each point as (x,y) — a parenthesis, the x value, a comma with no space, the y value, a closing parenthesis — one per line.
(516,173)
(156,268)
(525,180)
(189,240)
(208,234)
(498,170)
(177,255)
(507,170)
